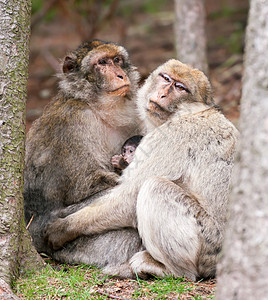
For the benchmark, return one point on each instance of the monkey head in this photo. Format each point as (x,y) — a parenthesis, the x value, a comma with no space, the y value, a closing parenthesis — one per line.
(168,89)
(128,153)
(98,68)
(129,147)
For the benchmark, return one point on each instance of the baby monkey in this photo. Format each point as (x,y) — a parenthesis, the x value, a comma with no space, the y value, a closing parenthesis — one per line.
(121,161)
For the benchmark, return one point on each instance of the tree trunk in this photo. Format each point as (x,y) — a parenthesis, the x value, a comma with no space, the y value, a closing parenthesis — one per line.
(190,33)
(243,271)
(16,250)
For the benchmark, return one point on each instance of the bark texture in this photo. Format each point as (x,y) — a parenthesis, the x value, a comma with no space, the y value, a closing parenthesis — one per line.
(243,271)
(190,33)
(15,244)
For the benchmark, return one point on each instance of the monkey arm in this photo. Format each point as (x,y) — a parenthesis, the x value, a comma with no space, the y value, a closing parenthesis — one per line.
(116,209)
(123,163)
(95,218)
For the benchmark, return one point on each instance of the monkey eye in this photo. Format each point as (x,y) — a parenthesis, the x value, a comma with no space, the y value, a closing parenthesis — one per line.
(117,59)
(166,77)
(102,61)
(180,86)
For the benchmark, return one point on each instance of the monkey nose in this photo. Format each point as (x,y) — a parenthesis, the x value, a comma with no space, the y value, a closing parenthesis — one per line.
(165,92)
(121,77)
(162,94)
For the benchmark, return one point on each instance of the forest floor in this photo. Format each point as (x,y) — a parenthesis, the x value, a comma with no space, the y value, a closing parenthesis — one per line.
(58,281)
(149,39)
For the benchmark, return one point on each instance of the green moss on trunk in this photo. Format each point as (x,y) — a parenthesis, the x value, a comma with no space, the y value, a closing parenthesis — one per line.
(14,56)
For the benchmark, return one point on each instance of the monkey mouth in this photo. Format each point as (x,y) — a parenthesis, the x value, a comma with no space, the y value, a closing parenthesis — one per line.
(156,109)
(121,91)
(154,105)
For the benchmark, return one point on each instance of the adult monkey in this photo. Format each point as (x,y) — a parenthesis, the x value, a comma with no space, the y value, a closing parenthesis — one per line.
(175,191)
(69,148)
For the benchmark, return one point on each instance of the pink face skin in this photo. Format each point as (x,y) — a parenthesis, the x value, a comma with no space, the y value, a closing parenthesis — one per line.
(128,153)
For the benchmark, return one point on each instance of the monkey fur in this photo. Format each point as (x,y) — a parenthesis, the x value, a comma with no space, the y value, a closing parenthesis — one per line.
(69,148)
(175,191)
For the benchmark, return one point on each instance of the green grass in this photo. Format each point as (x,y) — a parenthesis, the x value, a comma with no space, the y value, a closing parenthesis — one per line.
(66,282)
(161,287)
(84,282)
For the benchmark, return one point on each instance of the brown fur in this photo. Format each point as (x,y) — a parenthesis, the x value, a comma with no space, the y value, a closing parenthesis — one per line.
(69,148)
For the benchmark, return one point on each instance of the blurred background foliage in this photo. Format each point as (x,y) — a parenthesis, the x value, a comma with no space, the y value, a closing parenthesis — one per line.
(92,16)
(145,28)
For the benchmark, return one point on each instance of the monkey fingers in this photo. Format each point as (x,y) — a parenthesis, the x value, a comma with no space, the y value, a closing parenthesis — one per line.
(59,233)
(67,229)
(116,161)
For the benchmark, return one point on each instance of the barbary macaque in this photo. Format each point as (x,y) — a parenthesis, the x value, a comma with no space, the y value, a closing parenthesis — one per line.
(69,148)
(177,195)
(121,161)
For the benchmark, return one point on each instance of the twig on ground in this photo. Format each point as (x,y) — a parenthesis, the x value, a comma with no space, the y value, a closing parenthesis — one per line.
(109,295)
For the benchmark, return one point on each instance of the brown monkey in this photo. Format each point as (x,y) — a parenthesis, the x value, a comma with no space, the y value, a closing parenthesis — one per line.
(175,191)
(69,148)
(121,161)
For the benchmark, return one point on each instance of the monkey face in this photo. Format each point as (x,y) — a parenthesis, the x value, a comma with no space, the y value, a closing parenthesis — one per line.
(128,153)
(108,67)
(168,91)
(169,88)
(103,67)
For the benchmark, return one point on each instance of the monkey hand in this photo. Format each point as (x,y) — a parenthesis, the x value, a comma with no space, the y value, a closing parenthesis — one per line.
(119,162)
(116,161)
(60,232)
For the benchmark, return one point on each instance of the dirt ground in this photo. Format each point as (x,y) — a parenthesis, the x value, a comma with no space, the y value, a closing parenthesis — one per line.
(124,289)
(150,41)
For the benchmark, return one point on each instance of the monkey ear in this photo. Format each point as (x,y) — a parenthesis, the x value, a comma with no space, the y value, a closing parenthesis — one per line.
(69,64)
(204,87)
(205,92)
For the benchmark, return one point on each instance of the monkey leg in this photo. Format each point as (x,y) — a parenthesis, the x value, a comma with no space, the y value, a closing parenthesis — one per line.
(143,265)
(110,250)
(168,229)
